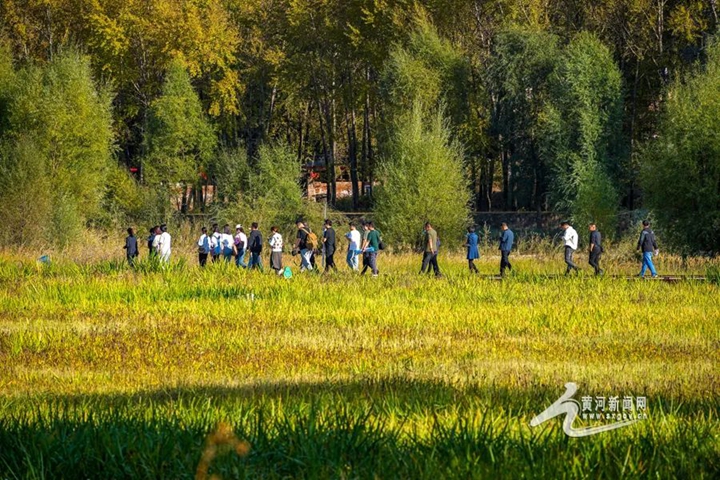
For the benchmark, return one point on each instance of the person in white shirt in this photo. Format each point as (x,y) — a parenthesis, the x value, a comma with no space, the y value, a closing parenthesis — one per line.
(203,247)
(164,244)
(215,247)
(354,240)
(227,243)
(240,246)
(570,237)
(156,241)
(276,247)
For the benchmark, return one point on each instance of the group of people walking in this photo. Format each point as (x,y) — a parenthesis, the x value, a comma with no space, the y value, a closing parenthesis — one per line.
(222,245)
(159,244)
(646,243)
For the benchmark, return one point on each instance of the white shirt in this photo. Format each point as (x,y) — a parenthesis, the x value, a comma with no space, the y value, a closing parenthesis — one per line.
(201,242)
(276,242)
(215,240)
(164,245)
(227,241)
(354,237)
(242,238)
(571,238)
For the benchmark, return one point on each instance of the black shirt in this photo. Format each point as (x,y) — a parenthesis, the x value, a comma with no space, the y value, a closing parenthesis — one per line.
(329,236)
(151,238)
(255,241)
(302,235)
(596,239)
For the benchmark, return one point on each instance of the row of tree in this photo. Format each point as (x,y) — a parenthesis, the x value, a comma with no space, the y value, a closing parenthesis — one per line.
(451,106)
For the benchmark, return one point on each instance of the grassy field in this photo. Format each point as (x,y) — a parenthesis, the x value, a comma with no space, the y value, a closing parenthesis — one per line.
(110,373)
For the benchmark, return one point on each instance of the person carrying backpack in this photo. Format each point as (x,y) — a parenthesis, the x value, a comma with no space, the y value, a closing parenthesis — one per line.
(227,242)
(306,242)
(203,247)
(215,247)
(370,249)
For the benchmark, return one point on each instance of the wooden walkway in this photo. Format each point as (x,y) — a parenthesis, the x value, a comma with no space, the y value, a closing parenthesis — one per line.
(659,278)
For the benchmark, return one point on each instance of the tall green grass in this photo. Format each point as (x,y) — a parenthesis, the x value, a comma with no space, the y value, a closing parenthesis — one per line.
(110,372)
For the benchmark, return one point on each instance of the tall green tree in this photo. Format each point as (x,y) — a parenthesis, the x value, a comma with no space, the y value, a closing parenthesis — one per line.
(580,132)
(179,141)
(59,132)
(681,174)
(268,192)
(518,82)
(422,179)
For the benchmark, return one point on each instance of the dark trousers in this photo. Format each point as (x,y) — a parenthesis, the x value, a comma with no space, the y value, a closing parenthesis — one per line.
(330,262)
(370,261)
(594,260)
(255,261)
(471,265)
(202,257)
(504,261)
(430,260)
(569,261)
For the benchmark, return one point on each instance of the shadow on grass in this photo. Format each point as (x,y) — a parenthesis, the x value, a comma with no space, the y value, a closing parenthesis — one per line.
(392,428)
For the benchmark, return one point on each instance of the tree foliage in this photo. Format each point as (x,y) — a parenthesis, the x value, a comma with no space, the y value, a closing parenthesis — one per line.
(180,141)
(422,179)
(580,130)
(269,191)
(59,133)
(681,173)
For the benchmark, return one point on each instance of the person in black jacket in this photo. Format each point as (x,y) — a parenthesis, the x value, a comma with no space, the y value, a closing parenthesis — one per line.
(329,245)
(648,245)
(255,246)
(595,249)
(131,247)
(151,240)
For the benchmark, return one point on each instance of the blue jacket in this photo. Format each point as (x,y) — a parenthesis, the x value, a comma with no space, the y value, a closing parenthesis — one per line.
(506,240)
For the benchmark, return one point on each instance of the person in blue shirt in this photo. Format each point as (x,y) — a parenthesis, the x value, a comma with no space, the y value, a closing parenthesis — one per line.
(131,247)
(648,244)
(203,247)
(471,243)
(507,238)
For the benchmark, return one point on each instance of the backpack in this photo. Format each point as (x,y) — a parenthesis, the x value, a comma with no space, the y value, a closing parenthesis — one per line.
(239,244)
(311,241)
(381,244)
(217,248)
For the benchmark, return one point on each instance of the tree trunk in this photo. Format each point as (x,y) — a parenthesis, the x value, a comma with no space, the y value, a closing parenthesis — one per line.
(366,139)
(352,147)
(506,175)
(332,133)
